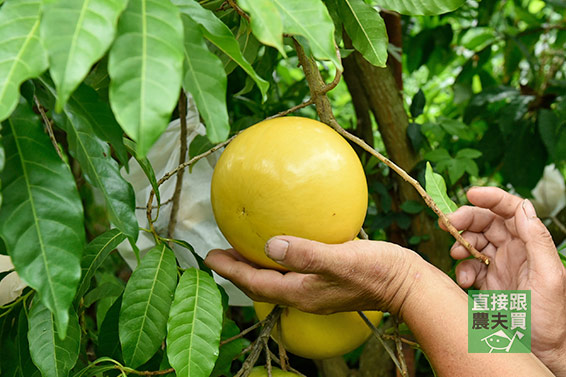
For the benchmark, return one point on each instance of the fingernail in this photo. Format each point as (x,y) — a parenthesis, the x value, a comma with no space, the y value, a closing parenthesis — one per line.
(529,209)
(276,249)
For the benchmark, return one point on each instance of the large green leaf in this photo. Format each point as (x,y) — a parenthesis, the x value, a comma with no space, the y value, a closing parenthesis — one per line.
(420,8)
(76,34)
(194,325)
(94,255)
(52,355)
(108,339)
(41,220)
(366,28)
(310,19)
(206,80)
(98,166)
(145,67)
(265,22)
(436,188)
(221,36)
(145,306)
(22,55)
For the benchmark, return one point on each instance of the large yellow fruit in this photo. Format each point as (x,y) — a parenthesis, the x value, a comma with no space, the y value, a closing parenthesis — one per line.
(261,371)
(316,336)
(288,176)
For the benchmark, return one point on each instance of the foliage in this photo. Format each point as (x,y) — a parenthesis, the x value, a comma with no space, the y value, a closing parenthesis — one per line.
(86,85)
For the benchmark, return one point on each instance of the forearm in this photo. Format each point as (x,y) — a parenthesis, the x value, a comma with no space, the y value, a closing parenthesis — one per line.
(436,311)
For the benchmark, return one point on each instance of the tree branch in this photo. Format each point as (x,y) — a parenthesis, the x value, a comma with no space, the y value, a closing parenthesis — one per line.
(48,127)
(324,110)
(182,157)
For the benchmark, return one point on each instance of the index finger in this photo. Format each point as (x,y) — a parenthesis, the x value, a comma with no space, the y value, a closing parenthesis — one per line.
(495,199)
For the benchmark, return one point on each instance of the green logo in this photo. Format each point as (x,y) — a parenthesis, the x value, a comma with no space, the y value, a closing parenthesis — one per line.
(499,321)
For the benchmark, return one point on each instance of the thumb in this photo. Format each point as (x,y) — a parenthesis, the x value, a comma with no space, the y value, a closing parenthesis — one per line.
(541,251)
(302,255)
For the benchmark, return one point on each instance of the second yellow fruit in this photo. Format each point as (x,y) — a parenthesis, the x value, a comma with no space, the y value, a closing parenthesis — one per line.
(316,336)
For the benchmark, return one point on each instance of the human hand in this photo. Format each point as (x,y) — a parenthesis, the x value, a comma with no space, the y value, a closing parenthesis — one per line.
(356,275)
(523,256)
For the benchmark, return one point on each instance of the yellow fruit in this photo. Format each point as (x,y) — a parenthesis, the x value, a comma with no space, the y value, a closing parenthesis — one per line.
(261,371)
(288,176)
(315,336)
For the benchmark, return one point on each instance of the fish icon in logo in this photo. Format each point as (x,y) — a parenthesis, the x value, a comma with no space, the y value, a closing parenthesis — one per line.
(500,341)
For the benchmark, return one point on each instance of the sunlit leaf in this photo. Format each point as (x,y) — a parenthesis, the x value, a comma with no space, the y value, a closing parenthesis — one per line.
(436,188)
(76,34)
(22,55)
(53,356)
(194,325)
(221,36)
(420,8)
(206,80)
(145,306)
(41,220)
(265,22)
(145,68)
(366,28)
(310,19)
(98,166)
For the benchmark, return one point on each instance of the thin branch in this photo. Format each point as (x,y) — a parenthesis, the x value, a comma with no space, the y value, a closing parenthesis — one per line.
(283,358)
(149,205)
(378,333)
(48,127)
(147,373)
(259,344)
(242,333)
(239,10)
(292,109)
(182,158)
(324,110)
(408,342)
(399,347)
(558,223)
(267,357)
(289,368)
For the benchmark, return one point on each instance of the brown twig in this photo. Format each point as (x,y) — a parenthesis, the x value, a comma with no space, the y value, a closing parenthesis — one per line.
(267,357)
(289,368)
(182,158)
(149,373)
(239,10)
(558,223)
(291,110)
(259,344)
(378,333)
(399,347)
(48,127)
(149,205)
(283,359)
(324,110)
(408,342)
(242,333)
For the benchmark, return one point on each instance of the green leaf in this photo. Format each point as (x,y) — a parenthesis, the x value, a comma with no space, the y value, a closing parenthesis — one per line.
(200,144)
(146,303)
(265,22)
(102,291)
(85,103)
(310,19)
(145,166)
(206,80)
(76,34)
(15,359)
(420,8)
(468,153)
(366,28)
(97,164)
(22,54)
(94,255)
(436,188)
(41,220)
(194,325)
(220,35)
(108,338)
(437,155)
(53,354)
(417,104)
(145,67)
